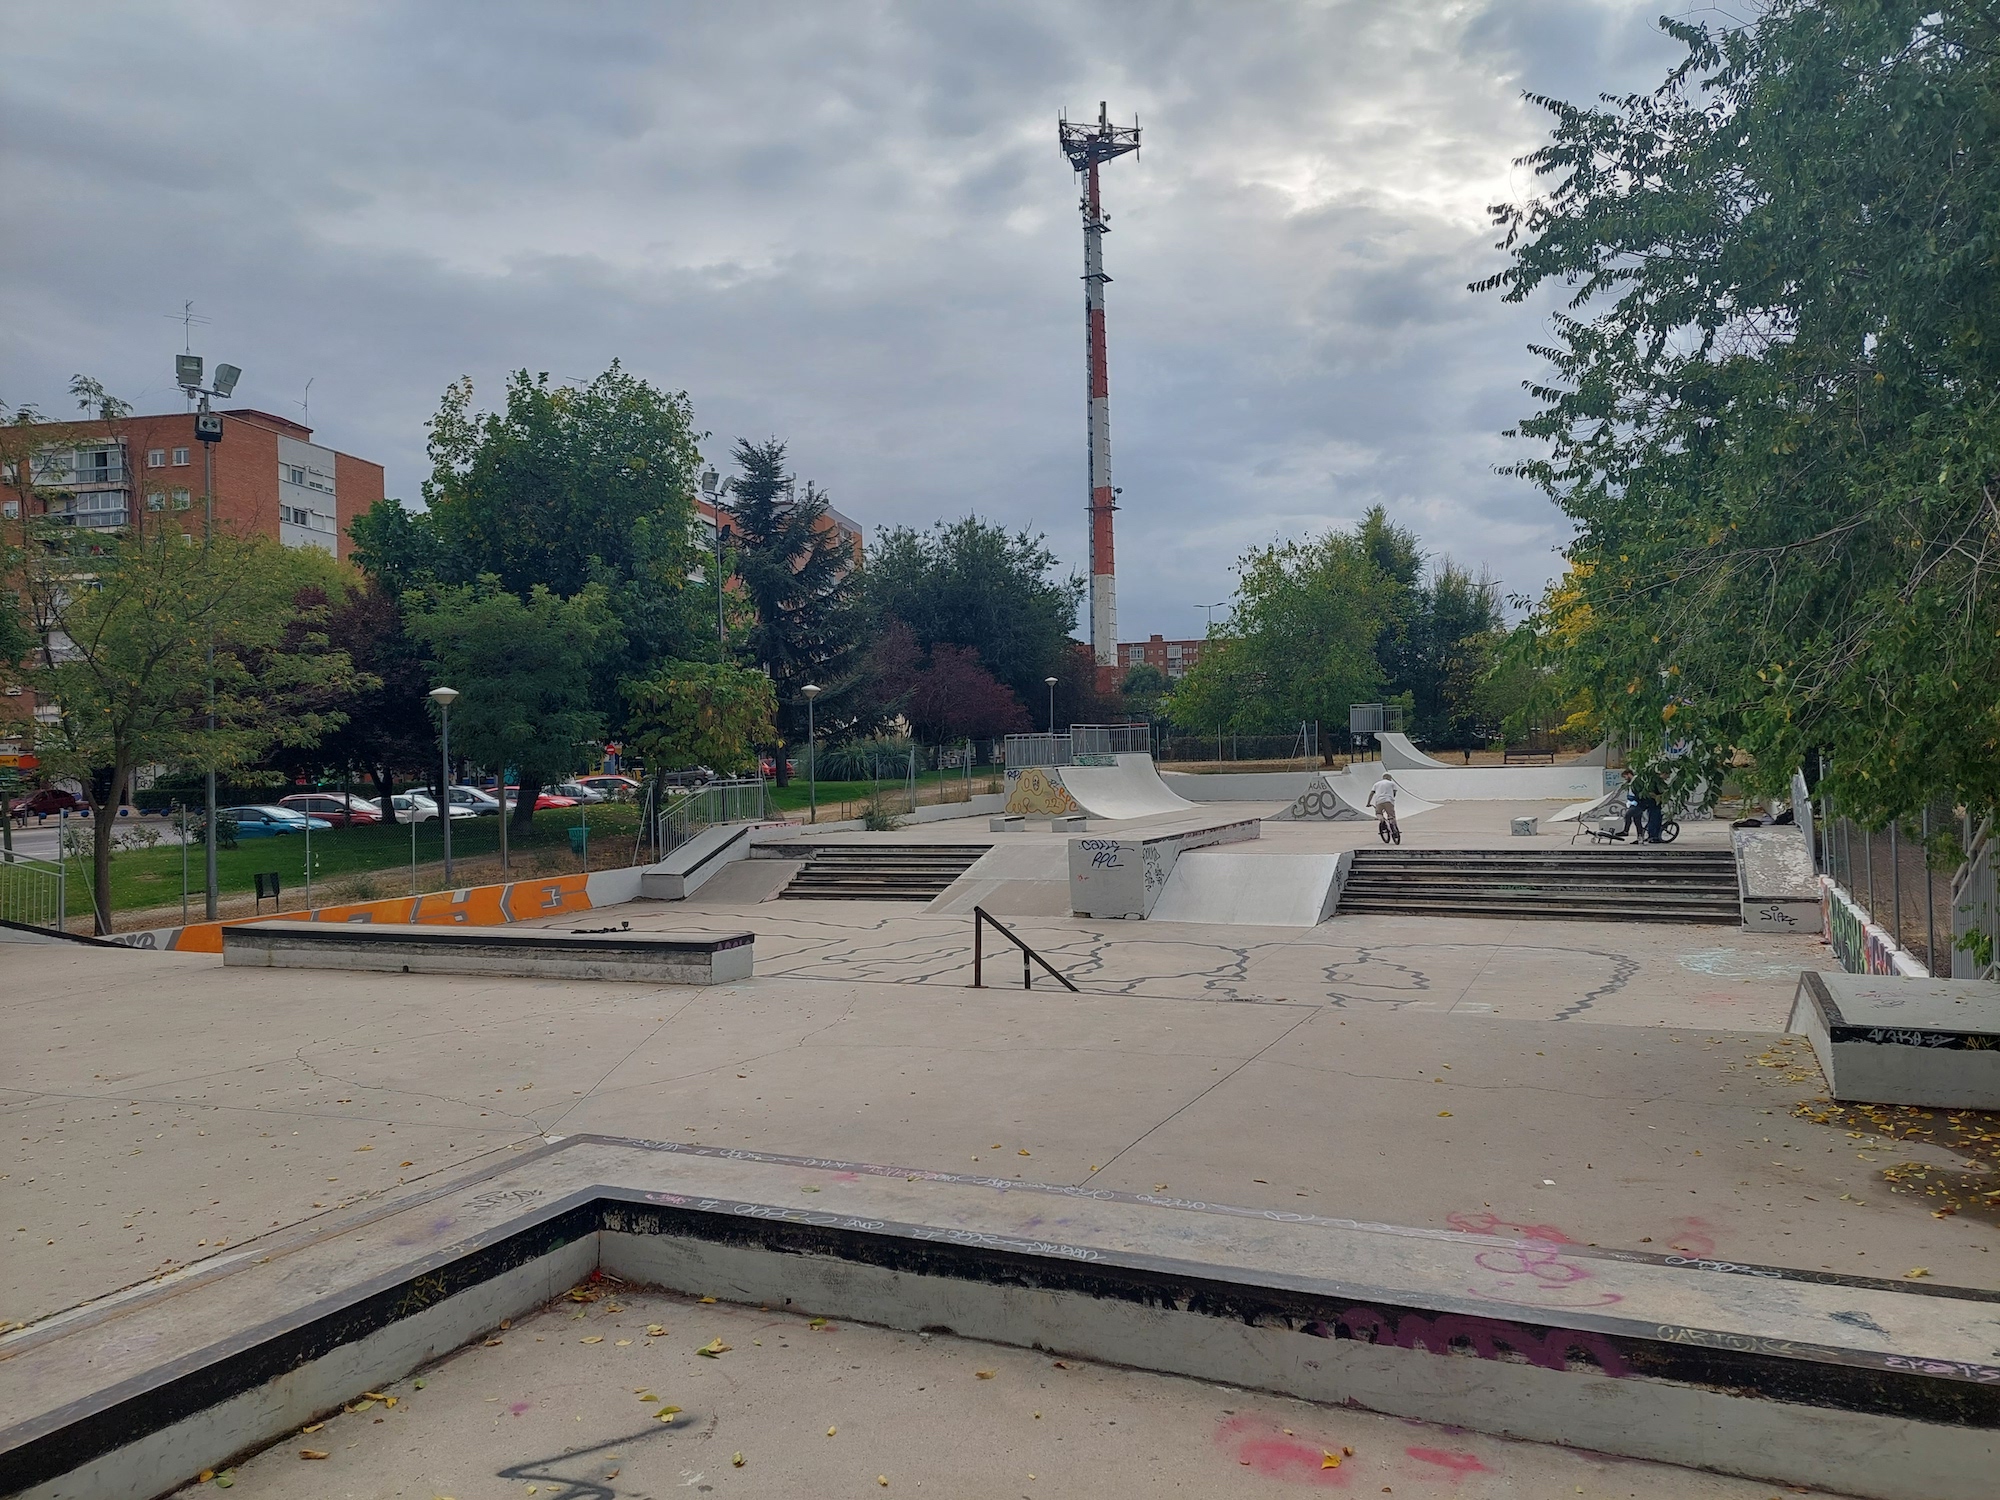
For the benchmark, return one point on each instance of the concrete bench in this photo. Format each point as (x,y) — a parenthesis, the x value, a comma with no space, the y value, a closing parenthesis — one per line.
(533,952)
(1888,1039)
(1072,823)
(1007,823)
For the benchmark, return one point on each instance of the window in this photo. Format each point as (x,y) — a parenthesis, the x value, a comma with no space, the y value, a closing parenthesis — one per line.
(181,500)
(297,515)
(180,457)
(156,501)
(11,510)
(187,539)
(295,474)
(156,458)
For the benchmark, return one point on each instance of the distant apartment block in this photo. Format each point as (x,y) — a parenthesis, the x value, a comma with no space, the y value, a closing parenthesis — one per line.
(1171,657)
(271,479)
(847,530)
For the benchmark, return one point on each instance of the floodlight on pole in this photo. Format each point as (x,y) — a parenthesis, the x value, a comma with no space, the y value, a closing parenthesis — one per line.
(226,377)
(187,372)
(444,697)
(812,751)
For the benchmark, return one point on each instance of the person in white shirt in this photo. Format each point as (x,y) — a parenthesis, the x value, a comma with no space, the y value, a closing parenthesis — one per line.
(1382,797)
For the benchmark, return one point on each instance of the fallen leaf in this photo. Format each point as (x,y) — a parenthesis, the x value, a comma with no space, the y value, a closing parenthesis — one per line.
(817,1323)
(418,1383)
(314,1428)
(831,1431)
(883,1479)
(736,1459)
(390,1400)
(984,1374)
(358,1406)
(1022,1153)
(225,1481)
(364,1148)
(707,1299)
(205,1476)
(505,1324)
(1329,1460)
(1444,1114)
(494,1343)
(313,1453)
(648,1396)
(712,1348)
(375,1395)
(654,1330)
(1349,1452)
(595,1338)
(667,1413)
(1915,1271)
(622,1343)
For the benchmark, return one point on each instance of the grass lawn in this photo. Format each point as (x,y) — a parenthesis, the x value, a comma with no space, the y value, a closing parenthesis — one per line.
(150,878)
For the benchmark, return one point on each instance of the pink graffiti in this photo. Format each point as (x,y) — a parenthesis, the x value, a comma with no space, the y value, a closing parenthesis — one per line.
(1487,1223)
(1696,1237)
(1459,1464)
(1261,1445)
(1488,1338)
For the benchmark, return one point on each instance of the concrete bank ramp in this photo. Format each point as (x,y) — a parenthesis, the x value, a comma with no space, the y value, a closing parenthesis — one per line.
(1398,754)
(1263,888)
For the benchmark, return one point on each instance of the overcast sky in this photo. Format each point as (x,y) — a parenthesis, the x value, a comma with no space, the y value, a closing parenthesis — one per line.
(847,225)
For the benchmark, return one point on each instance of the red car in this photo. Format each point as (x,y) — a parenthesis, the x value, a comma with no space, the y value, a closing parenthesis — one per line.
(543,800)
(342,809)
(46,803)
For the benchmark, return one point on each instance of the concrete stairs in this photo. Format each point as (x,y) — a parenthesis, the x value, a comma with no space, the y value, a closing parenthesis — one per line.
(1642,883)
(879,872)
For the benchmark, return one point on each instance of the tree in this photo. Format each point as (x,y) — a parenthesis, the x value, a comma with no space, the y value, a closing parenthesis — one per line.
(1143,688)
(523,669)
(387,730)
(968,583)
(1300,641)
(798,576)
(565,486)
(702,713)
(1770,410)
(954,697)
(1450,645)
(123,625)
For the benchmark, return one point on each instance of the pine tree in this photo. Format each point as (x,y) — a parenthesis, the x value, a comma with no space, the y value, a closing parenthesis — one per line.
(797,574)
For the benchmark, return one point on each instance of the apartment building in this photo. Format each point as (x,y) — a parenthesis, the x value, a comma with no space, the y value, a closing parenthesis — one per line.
(271,478)
(1172,657)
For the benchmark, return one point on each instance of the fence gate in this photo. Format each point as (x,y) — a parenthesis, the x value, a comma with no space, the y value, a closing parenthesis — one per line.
(32,891)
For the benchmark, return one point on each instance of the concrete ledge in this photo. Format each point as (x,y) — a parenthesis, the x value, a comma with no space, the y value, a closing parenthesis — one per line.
(1007,823)
(687,868)
(1072,823)
(1775,880)
(1874,1388)
(1887,1039)
(692,958)
(1113,877)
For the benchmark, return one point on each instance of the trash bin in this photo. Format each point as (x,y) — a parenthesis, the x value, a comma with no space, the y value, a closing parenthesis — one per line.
(579,839)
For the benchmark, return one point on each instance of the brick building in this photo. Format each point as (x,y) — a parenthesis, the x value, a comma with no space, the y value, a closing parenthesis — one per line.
(1171,657)
(271,478)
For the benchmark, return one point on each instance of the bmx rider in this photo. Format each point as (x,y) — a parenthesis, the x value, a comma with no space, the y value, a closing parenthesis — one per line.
(1382,797)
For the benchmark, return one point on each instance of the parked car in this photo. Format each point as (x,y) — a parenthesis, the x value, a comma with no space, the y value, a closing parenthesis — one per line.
(414,807)
(543,800)
(617,788)
(690,776)
(768,768)
(342,809)
(482,803)
(268,821)
(576,791)
(46,803)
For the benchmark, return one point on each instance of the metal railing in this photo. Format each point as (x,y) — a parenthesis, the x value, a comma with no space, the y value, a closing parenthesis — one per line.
(1892,883)
(1975,910)
(981,920)
(685,811)
(1110,739)
(33,892)
(1023,750)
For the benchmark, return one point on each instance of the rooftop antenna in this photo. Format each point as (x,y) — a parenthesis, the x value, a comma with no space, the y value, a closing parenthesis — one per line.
(187,317)
(306,406)
(1088,145)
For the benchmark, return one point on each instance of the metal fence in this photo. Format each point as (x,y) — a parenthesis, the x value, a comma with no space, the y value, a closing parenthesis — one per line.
(685,811)
(1975,912)
(1896,882)
(1302,746)
(33,892)
(1024,750)
(1110,739)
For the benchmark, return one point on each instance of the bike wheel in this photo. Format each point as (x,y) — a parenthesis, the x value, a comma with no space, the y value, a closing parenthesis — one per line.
(1669,831)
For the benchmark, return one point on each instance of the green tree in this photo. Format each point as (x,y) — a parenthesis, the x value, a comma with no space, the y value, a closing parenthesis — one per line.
(968,583)
(1143,688)
(523,669)
(1300,641)
(701,713)
(1770,410)
(1450,644)
(123,624)
(798,576)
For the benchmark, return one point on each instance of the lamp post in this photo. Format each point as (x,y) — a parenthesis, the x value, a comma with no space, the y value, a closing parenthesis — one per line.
(1052,703)
(208,432)
(444,697)
(812,752)
(715,487)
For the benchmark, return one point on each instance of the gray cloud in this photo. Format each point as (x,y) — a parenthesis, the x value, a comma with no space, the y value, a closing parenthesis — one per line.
(846,224)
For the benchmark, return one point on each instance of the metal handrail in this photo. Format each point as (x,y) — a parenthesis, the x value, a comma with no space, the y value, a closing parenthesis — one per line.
(980,918)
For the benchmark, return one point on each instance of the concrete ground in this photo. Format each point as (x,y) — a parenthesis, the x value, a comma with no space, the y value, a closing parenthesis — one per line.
(567,1402)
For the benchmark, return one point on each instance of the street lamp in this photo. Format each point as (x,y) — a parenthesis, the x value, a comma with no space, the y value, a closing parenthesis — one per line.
(208,432)
(715,487)
(1211,609)
(812,752)
(444,697)
(1052,703)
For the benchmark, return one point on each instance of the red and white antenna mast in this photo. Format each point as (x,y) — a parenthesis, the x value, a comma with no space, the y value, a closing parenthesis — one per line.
(1086,146)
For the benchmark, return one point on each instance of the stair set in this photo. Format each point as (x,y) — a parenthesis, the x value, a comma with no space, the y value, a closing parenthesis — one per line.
(876,872)
(1647,883)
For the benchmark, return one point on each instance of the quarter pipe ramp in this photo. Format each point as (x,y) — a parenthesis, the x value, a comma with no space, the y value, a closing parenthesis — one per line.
(1125,786)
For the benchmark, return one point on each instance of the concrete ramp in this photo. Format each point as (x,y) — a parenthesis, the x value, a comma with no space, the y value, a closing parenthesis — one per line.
(1481,783)
(1262,889)
(1398,754)
(1351,788)
(1576,812)
(1127,787)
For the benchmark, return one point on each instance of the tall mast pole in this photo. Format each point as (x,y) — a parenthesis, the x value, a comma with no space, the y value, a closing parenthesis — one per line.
(1087,147)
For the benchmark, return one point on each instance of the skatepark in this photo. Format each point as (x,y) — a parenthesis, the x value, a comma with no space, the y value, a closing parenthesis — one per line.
(1311,1170)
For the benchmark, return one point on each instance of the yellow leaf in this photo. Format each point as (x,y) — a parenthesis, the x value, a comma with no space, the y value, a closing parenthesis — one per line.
(312,1453)
(314,1428)
(1444,1114)
(736,1459)
(708,1299)
(1915,1271)
(1329,1460)
(831,1431)
(712,1348)
(984,1374)
(390,1400)
(648,1396)
(1021,1153)
(667,1413)
(622,1343)
(654,1330)
(595,1338)
(883,1480)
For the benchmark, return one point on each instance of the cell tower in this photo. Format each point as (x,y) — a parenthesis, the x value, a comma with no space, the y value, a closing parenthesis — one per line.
(1087,146)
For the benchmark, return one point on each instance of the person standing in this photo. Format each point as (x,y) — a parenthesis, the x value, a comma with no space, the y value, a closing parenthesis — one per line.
(1646,792)
(1382,798)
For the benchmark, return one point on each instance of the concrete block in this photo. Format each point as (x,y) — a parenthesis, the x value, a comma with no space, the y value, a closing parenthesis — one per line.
(1526,828)
(1008,823)
(1886,1039)
(687,868)
(1124,877)
(536,953)
(1075,823)
(1775,880)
